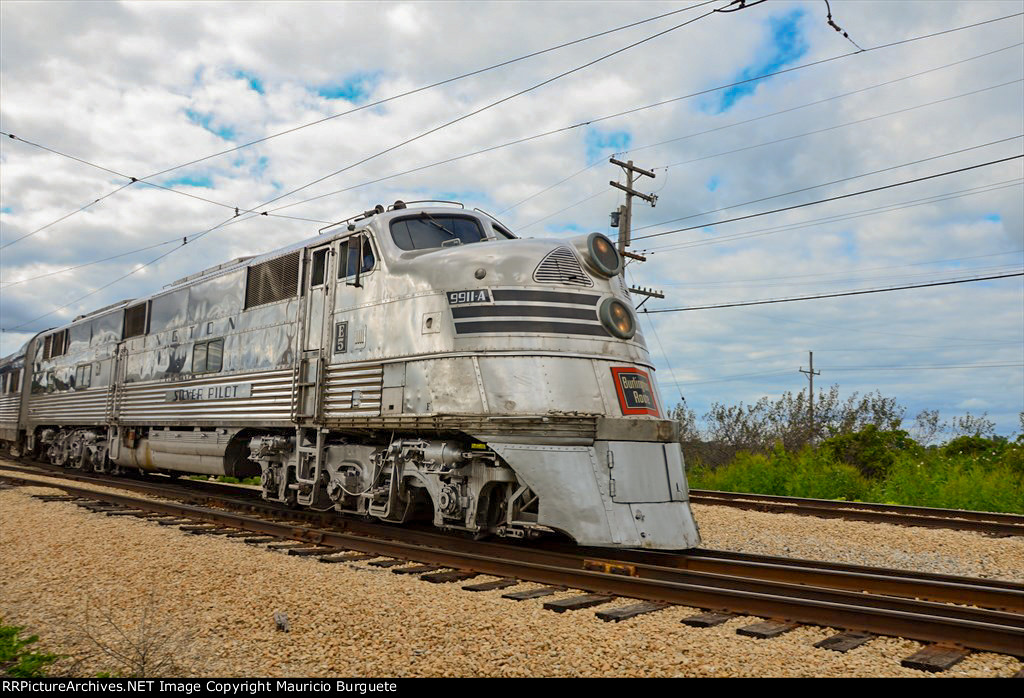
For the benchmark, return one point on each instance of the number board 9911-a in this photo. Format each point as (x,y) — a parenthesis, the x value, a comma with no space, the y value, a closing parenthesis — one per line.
(480,295)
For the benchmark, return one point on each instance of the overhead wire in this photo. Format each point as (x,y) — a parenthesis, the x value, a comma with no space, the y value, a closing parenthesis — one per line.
(879,47)
(335,116)
(656,250)
(834,273)
(858,330)
(855,292)
(622,153)
(838,197)
(595,120)
(846,123)
(388,150)
(835,218)
(131,181)
(432,85)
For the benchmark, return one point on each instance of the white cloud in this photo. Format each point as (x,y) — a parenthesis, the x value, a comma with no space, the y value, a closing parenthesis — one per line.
(114,84)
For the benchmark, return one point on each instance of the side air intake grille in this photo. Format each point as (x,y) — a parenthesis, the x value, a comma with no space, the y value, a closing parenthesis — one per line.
(273,280)
(561,267)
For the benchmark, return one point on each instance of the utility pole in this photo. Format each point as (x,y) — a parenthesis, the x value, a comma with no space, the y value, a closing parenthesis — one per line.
(625,213)
(811,373)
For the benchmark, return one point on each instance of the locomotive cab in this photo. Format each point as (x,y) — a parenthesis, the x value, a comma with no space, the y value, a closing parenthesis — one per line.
(528,350)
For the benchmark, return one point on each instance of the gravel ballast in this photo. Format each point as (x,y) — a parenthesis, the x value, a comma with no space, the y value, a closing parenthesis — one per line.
(65,572)
(940,551)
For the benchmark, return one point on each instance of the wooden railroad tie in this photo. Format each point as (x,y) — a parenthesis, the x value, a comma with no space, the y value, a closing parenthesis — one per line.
(531,593)
(707,620)
(934,658)
(631,611)
(450,576)
(766,629)
(844,642)
(492,585)
(575,603)
(387,562)
(346,557)
(416,569)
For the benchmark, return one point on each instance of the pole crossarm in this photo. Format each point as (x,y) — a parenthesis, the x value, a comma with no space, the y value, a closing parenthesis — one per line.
(650,292)
(649,198)
(630,166)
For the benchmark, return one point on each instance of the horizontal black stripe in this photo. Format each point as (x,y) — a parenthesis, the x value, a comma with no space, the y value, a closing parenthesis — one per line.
(549,296)
(524,310)
(530,326)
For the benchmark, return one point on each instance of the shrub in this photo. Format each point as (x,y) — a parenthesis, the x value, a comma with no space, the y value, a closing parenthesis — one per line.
(953,484)
(871,450)
(16,659)
(973,446)
(805,474)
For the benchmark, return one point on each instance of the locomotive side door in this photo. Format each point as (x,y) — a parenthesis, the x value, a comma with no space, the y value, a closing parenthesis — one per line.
(319,264)
(319,290)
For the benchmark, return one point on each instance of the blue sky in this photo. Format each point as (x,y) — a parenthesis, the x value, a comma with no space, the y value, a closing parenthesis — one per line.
(784,45)
(601,144)
(351,88)
(211,123)
(143,113)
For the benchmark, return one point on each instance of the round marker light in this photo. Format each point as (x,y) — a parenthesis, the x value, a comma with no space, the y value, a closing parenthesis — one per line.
(603,255)
(617,318)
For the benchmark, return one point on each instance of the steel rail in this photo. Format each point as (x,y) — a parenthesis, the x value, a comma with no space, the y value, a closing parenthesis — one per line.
(920,620)
(993,523)
(968,514)
(985,593)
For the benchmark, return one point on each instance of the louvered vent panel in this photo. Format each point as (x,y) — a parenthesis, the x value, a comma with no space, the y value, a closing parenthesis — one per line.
(272,281)
(561,267)
(135,321)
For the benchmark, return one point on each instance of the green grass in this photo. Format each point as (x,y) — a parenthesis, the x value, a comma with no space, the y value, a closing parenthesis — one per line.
(17,660)
(983,479)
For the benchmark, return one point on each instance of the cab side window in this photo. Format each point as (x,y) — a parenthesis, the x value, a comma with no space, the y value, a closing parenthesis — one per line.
(349,254)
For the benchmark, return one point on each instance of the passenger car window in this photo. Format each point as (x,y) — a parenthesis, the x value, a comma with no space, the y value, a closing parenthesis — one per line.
(427,232)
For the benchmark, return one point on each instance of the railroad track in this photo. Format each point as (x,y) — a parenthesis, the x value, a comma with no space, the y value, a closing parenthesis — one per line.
(991,523)
(954,613)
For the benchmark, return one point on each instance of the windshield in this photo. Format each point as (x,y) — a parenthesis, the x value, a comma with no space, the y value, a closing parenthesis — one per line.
(426,231)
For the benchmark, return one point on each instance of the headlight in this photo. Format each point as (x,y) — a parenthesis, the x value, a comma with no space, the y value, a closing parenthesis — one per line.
(603,255)
(617,318)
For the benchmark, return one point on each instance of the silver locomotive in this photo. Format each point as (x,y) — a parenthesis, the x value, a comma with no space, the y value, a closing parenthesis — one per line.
(407,363)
